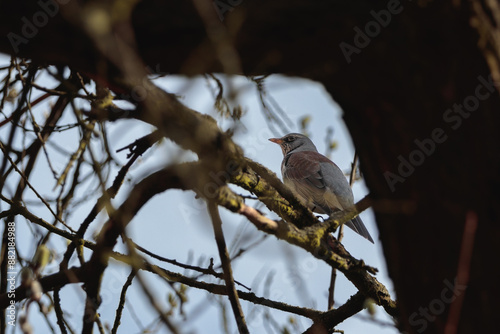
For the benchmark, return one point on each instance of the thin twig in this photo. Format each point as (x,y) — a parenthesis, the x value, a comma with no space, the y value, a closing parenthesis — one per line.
(59,92)
(36,127)
(331,290)
(140,146)
(226,267)
(121,304)
(59,311)
(20,172)
(205,271)
(84,142)
(136,263)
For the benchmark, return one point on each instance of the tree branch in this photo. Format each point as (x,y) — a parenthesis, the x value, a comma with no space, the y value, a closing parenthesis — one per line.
(226,267)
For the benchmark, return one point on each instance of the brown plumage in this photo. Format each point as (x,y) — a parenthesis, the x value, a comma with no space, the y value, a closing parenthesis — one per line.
(316,180)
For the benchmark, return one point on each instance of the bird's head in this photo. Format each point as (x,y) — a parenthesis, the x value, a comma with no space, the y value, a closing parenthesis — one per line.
(294,142)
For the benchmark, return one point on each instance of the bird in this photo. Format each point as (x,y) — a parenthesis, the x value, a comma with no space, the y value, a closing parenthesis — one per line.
(316,180)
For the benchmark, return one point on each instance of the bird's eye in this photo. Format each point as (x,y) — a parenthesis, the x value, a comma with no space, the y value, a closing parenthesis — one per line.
(289,139)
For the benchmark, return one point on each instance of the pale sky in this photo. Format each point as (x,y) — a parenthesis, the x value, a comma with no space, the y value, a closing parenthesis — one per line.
(176,226)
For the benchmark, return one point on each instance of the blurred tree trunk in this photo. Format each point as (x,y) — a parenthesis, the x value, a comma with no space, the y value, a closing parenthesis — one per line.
(400,71)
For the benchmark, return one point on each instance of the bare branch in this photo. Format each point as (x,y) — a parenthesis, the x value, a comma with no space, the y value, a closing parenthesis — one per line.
(121,304)
(226,267)
(331,290)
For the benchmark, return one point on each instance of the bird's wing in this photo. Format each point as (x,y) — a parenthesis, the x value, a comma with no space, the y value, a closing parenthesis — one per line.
(305,166)
(313,171)
(303,172)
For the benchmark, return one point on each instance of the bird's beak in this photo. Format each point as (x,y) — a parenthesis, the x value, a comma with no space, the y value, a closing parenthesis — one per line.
(276,140)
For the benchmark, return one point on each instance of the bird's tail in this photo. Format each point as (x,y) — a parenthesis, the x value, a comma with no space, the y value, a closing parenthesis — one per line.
(357,225)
